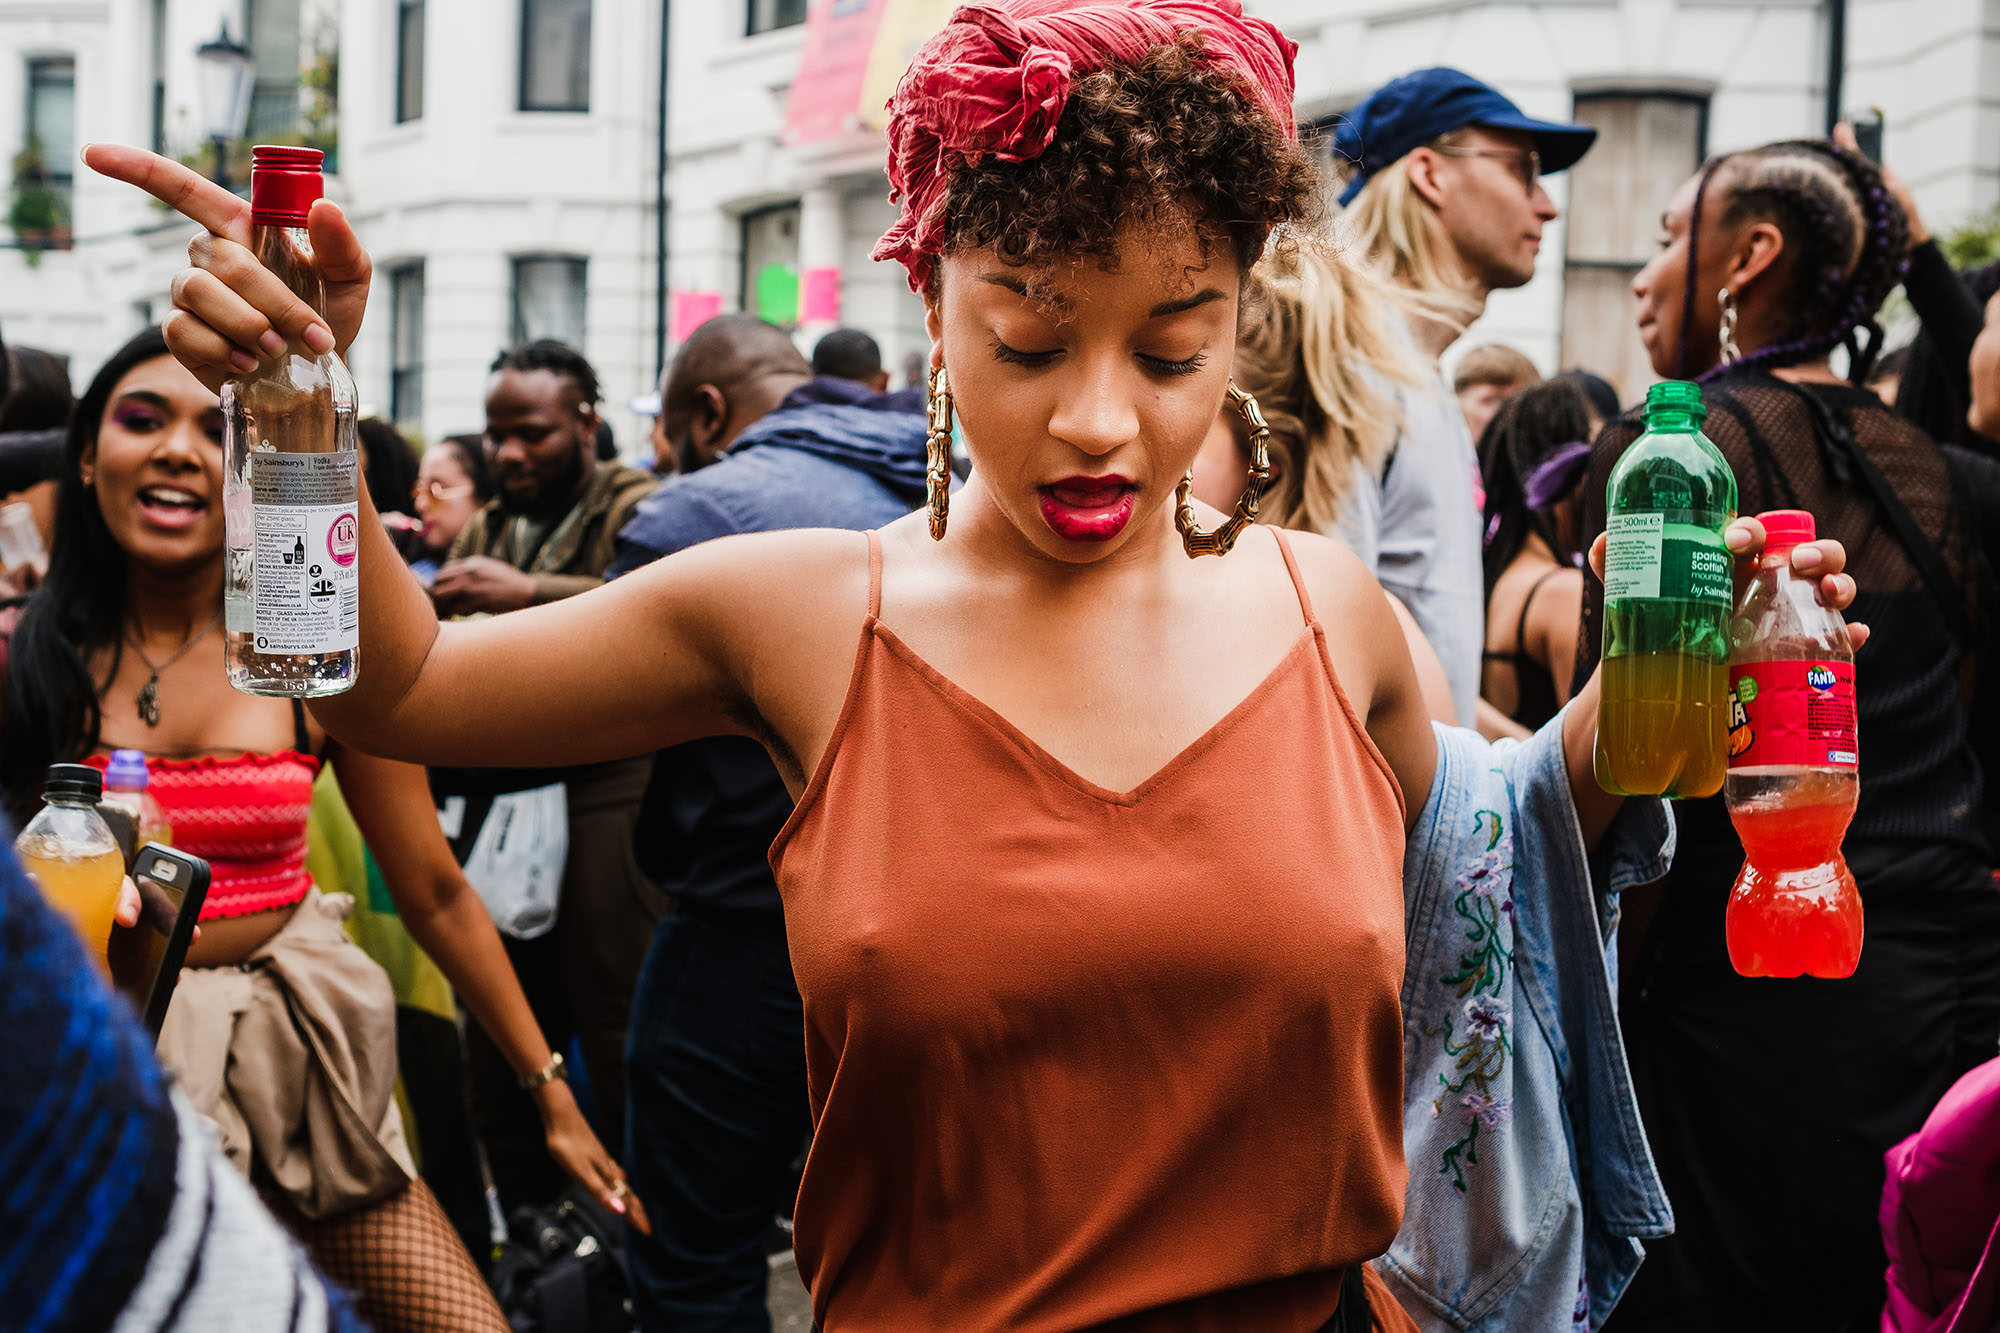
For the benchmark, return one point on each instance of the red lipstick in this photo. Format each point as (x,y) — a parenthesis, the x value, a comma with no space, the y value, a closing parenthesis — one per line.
(1088,509)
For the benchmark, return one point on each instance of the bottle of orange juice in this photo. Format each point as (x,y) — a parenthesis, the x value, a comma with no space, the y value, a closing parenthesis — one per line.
(1662,726)
(70,851)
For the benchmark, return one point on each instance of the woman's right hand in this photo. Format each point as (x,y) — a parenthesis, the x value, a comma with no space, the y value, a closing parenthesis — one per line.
(230,312)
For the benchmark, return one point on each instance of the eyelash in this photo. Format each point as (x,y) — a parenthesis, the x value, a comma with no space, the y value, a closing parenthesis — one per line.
(1187,367)
(136,420)
(1036,360)
(1013,356)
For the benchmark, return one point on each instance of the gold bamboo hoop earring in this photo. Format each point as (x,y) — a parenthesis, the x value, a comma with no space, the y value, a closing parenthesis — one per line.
(1199,543)
(937,452)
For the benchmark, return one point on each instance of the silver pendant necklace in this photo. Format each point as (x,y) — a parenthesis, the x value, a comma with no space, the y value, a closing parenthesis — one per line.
(149,693)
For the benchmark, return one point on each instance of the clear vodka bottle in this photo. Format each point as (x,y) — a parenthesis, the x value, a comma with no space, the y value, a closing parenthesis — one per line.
(292,482)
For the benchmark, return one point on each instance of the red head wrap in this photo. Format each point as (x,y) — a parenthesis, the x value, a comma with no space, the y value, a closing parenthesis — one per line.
(994,82)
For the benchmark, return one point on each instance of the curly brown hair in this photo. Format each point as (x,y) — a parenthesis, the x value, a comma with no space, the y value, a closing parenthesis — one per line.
(1167,138)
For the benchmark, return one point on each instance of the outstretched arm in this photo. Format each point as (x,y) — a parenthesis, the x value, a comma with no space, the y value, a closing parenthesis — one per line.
(650,662)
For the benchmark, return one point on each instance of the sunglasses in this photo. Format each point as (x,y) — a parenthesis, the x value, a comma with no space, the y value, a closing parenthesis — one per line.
(1527,162)
(436,492)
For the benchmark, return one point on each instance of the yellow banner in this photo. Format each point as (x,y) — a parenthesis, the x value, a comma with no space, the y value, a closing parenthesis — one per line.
(906,26)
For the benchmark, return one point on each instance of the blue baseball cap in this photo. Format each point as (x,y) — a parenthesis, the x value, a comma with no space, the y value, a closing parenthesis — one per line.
(1411,111)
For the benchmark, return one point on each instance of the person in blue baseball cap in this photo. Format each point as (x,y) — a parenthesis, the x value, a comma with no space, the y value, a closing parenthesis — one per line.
(1444,186)
(1443,198)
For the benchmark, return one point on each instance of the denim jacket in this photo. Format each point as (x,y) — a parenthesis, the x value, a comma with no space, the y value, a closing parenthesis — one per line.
(1531,1182)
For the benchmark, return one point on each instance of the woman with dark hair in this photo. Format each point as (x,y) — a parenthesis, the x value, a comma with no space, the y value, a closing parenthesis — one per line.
(1597,392)
(121,647)
(388,465)
(1533,458)
(453,483)
(1770,1103)
(1090,834)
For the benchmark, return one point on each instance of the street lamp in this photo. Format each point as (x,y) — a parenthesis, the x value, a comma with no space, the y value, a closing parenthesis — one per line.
(227,74)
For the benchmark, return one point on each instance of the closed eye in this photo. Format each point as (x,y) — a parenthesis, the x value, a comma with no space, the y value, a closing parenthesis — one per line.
(1162,366)
(138,420)
(1014,356)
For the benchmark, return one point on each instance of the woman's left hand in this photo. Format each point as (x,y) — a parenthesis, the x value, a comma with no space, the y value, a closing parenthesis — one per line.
(1821,560)
(576,1149)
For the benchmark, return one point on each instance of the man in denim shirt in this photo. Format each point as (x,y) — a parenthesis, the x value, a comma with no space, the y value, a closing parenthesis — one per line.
(716,1052)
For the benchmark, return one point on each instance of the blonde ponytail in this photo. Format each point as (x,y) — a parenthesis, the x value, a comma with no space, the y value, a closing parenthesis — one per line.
(1321,351)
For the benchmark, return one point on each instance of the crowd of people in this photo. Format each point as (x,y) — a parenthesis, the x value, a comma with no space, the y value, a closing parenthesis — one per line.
(867,826)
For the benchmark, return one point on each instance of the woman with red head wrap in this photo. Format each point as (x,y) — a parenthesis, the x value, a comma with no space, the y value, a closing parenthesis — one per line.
(1093,891)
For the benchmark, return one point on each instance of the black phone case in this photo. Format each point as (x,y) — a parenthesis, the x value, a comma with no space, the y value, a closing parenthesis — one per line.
(190,876)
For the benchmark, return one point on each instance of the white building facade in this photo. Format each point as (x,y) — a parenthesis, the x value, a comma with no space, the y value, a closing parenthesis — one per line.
(499,157)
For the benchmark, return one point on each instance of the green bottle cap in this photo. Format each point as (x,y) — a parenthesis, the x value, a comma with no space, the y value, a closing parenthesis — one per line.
(1676,397)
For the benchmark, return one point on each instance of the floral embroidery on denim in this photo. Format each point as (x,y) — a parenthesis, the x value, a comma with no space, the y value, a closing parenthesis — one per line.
(1478,1041)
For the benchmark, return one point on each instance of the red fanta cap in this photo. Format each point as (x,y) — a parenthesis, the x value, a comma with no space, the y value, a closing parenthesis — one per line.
(1785,528)
(284,181)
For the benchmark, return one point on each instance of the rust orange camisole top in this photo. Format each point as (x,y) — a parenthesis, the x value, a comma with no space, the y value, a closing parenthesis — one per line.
(1084,1058)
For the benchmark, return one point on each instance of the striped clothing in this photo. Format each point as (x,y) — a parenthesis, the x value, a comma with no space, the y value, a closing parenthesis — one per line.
(116,1211)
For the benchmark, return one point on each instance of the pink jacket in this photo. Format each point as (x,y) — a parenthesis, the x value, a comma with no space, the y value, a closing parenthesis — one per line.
(1941,1214)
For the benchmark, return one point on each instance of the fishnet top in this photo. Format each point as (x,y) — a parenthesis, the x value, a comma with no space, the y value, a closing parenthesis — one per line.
(1920,779)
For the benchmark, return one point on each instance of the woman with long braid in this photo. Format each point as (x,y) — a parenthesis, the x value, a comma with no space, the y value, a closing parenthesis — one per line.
(1769,1104)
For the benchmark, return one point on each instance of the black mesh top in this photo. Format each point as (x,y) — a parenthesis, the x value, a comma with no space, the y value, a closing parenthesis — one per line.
(1921,785)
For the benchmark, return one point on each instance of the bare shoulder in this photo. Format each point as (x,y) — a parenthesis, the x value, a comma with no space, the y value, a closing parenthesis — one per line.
(1342,589)
(1555,611)
(1366,644)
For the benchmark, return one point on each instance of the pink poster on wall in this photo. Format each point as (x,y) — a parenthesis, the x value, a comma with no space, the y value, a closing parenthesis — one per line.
(819,296)
(825,101)
(692,310)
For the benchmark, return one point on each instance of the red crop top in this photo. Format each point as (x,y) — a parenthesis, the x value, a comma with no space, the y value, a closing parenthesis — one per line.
(246,816)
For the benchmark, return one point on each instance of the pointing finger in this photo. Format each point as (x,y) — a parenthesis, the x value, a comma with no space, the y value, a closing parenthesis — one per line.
(180,188)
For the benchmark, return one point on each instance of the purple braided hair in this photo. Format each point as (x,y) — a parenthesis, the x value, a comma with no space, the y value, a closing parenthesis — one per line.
(1693,265)
(1825,319)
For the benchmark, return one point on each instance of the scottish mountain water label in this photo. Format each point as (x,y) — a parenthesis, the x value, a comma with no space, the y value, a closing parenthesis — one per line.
(1647,557)
(306,589)
(1792,714)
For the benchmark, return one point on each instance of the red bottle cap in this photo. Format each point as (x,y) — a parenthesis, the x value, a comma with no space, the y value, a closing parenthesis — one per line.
(284,181)
(1786,528)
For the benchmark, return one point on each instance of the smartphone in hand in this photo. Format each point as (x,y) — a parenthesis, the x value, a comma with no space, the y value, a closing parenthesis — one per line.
(1867,125)
(146,959)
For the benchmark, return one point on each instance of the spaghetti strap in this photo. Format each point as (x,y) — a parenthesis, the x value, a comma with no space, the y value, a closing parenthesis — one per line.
(1298,584)
(1521,626)
(874,575)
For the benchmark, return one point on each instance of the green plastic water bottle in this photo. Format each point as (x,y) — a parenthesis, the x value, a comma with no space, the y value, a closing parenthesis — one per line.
(1662,725)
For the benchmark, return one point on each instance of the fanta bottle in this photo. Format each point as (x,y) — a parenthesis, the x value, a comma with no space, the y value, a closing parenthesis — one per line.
(1793,771)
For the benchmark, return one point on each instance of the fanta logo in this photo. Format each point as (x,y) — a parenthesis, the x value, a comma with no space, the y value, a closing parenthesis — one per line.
(1820,678)
(1740,733)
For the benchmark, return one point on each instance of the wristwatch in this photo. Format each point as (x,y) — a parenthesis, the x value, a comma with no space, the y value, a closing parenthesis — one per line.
(556,1068)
